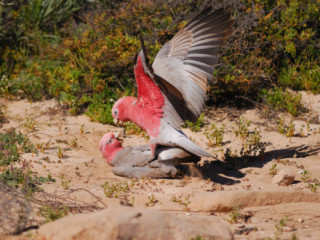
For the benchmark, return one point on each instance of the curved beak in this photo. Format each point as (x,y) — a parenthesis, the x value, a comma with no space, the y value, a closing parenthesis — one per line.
(116,121)
(117,136)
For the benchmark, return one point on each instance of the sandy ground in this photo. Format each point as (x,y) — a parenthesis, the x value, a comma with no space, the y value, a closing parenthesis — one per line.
(214,188)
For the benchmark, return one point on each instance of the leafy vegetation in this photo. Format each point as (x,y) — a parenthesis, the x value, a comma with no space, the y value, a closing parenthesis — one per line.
(22,177)
(214,135)
(235,214)
(283,100)
(119,190)
(53,213)
(81,52)
(12,144)
(251,145)
(196,126)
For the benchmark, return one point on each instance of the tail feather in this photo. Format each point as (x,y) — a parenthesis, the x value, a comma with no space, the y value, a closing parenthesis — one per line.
(191,147)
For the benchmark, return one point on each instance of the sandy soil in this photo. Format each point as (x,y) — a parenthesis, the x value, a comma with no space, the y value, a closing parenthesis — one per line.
(213,188)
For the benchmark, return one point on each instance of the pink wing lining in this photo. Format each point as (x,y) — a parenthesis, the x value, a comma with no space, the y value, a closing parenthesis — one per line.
(149,95)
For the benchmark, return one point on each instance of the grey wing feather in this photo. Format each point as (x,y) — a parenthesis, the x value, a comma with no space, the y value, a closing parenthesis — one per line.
(131,155)
(187,63)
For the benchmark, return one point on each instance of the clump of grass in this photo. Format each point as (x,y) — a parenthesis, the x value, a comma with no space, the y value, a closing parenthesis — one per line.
(51,213)
(196,126)
(235,214)
(22,177)
(152,200)
(305,176)
(281,224)
(287,130)
(273,170)
(214,135)
(118,190)
(283,100)
(12,144)
(314,186)
(29,125)
(182,200)
(64,182)
(60,153)
(251,145)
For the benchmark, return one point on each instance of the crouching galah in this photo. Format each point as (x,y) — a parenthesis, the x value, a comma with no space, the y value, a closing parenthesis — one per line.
(173,90)
(125,160)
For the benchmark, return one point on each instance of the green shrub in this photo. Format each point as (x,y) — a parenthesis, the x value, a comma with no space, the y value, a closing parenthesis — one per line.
(86,60)
(283,100)
(52,213)
(11,145)
(273,42)
(23,177)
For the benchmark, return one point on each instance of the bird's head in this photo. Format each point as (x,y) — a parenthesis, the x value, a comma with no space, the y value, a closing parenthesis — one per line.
(120,110)
(108,146)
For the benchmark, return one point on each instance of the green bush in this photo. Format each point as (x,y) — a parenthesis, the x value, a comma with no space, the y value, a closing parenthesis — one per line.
(81,52)
(11,145)
(274,42)
(283,100)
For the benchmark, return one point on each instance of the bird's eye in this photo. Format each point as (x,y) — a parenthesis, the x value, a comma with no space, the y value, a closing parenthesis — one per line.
(115,112)
(109,141)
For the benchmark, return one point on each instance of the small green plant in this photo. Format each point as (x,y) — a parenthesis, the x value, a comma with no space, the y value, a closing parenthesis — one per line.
(60,153)
(29,125)
(235,214)
(273,170)
(288,131)
(118,190)
(242,129)
(82,129)
(214,135)
(182,200)
(22,177)
(152,200)
(74,143)
(282,223)
(51,213)
(305,176)
(64,182)
(195,126)
(252,145)
(283,100)
(314,186)
(12,144)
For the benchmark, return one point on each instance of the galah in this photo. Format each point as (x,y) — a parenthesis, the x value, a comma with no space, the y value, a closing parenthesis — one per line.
(124,160)
(173,90)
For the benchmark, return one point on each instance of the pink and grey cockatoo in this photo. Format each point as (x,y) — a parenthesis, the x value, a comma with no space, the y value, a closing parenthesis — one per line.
(124,160)
(174,89)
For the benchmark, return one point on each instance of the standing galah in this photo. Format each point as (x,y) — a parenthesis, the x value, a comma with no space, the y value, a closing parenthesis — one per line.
(174,89)
(124,159)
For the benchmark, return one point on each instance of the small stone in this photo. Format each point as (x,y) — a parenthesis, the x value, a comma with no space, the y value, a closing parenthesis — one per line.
(300,220)
(288,228)
(284,177)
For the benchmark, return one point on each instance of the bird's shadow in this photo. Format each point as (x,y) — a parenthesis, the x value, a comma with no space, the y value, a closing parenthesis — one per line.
(228,173)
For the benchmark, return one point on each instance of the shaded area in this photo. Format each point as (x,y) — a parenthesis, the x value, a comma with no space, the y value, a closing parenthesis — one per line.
(15,210)
(224,172)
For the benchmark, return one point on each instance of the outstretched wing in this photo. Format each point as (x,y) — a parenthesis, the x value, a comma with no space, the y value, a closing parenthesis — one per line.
(185,64)
(149,95)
